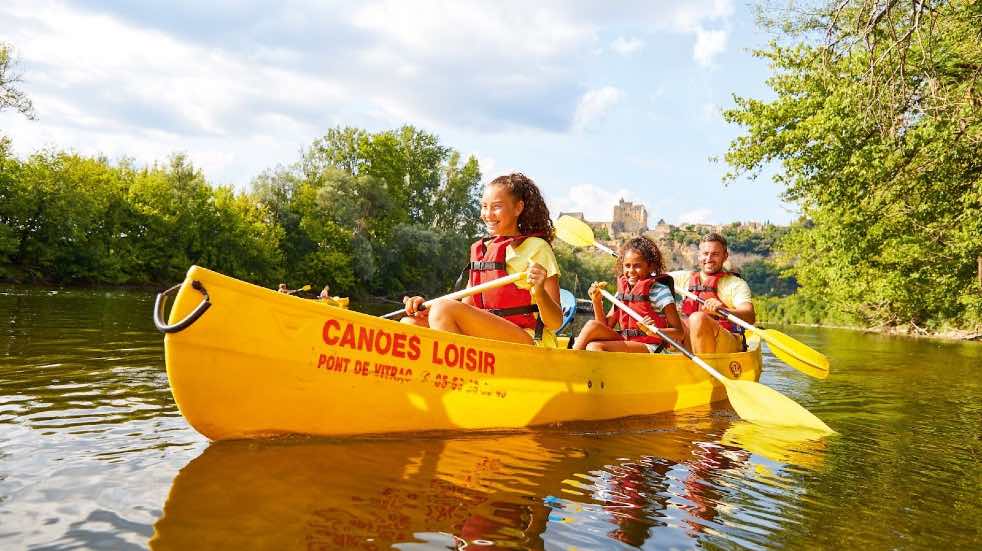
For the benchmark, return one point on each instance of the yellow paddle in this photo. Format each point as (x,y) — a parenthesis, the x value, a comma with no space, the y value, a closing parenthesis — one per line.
(751,400)
(466,292)
(789,350)
(305,288)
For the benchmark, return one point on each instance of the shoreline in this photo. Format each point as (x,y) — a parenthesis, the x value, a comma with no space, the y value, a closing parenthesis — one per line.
(962,335)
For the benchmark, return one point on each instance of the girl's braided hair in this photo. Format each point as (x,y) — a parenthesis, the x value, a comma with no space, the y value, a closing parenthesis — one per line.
(647,249)
(534,218)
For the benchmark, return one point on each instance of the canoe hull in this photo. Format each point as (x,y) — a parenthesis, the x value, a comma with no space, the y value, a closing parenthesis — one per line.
(261,363)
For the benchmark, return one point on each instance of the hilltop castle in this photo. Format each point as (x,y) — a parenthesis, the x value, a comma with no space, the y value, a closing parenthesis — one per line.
(629,219)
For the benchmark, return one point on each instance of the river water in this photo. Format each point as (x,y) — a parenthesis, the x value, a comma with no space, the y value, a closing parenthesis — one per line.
(95,455)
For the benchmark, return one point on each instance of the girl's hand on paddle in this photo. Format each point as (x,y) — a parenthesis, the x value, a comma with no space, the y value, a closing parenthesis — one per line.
(594,291)
(646,325)
(413,305)
(536,275)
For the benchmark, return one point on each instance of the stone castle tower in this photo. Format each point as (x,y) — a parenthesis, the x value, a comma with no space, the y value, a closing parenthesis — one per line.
(629,218)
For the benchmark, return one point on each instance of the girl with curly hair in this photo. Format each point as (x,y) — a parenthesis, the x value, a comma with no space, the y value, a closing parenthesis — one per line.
(527,312)
(640,286)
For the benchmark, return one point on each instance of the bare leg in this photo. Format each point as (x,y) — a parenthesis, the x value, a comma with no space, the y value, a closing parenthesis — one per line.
(618,346)
(457,317)
(706,336)
(419,320)
(594,331)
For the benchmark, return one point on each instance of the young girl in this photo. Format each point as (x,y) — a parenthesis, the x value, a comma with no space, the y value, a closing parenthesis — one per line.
(638,288)
(518,221)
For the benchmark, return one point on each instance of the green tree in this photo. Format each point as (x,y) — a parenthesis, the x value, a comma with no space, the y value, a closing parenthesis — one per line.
(579,268)
(456,203)
(372,190)
(765,279)
(342,215)
(877,128)
(10,96)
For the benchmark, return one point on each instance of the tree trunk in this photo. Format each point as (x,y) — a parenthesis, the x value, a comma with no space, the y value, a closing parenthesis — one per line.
(979,273)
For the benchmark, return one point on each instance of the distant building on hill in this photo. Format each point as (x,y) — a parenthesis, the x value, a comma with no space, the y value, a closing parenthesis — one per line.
(629,218)
(662,230)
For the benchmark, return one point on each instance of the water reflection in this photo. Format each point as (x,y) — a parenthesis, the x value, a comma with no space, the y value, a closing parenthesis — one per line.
(785,445)
(671,482)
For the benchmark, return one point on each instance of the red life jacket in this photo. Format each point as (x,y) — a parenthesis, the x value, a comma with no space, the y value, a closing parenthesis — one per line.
(509,301)
(638,298)
(705,290)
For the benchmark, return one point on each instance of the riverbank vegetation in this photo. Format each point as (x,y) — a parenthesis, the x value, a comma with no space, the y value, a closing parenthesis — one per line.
(380,214)
(368,212)
(876,131)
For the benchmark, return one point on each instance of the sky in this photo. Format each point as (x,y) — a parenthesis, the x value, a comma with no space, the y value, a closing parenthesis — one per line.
(596,101)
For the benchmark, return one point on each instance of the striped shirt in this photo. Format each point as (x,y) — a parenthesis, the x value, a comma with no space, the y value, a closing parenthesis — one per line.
(659,296)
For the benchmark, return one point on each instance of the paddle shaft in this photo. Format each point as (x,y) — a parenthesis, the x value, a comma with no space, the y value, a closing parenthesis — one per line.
(729,315)
(501,281)
(605,249)
(699,361)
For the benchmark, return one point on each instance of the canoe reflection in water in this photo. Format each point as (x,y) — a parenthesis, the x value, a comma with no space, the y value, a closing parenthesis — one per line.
(529,490)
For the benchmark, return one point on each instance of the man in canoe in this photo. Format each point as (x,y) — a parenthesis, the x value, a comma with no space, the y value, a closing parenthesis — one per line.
(326,298)
(526,312)
(708,331)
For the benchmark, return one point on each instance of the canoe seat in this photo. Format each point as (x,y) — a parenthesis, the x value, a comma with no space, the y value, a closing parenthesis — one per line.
(568,303)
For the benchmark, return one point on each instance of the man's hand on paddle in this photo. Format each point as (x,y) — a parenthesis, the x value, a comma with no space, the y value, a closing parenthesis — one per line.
(712,306)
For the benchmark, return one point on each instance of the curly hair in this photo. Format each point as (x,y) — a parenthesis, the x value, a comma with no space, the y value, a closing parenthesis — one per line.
(648,251)
(534,218)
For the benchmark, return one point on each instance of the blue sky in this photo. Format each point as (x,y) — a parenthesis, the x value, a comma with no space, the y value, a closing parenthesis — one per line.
(594,100)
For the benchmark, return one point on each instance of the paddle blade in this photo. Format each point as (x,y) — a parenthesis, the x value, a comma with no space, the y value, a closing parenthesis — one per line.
(305,288)
(763,405)
(574,231)
(796,354)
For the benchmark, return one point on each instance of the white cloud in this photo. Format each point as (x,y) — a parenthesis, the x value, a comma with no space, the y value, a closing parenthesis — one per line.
(709,44)
(243,89)
(596,203)
(627,46)
(698,216)
(443,29)
(489,167)
(688,16)
(594,106)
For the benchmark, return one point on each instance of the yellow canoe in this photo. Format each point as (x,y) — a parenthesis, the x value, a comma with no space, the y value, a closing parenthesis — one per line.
(244,361)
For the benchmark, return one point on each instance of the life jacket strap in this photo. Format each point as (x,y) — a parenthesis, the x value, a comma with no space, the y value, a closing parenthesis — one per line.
(505,312)
(633,298)
(487,266)
(699,288)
